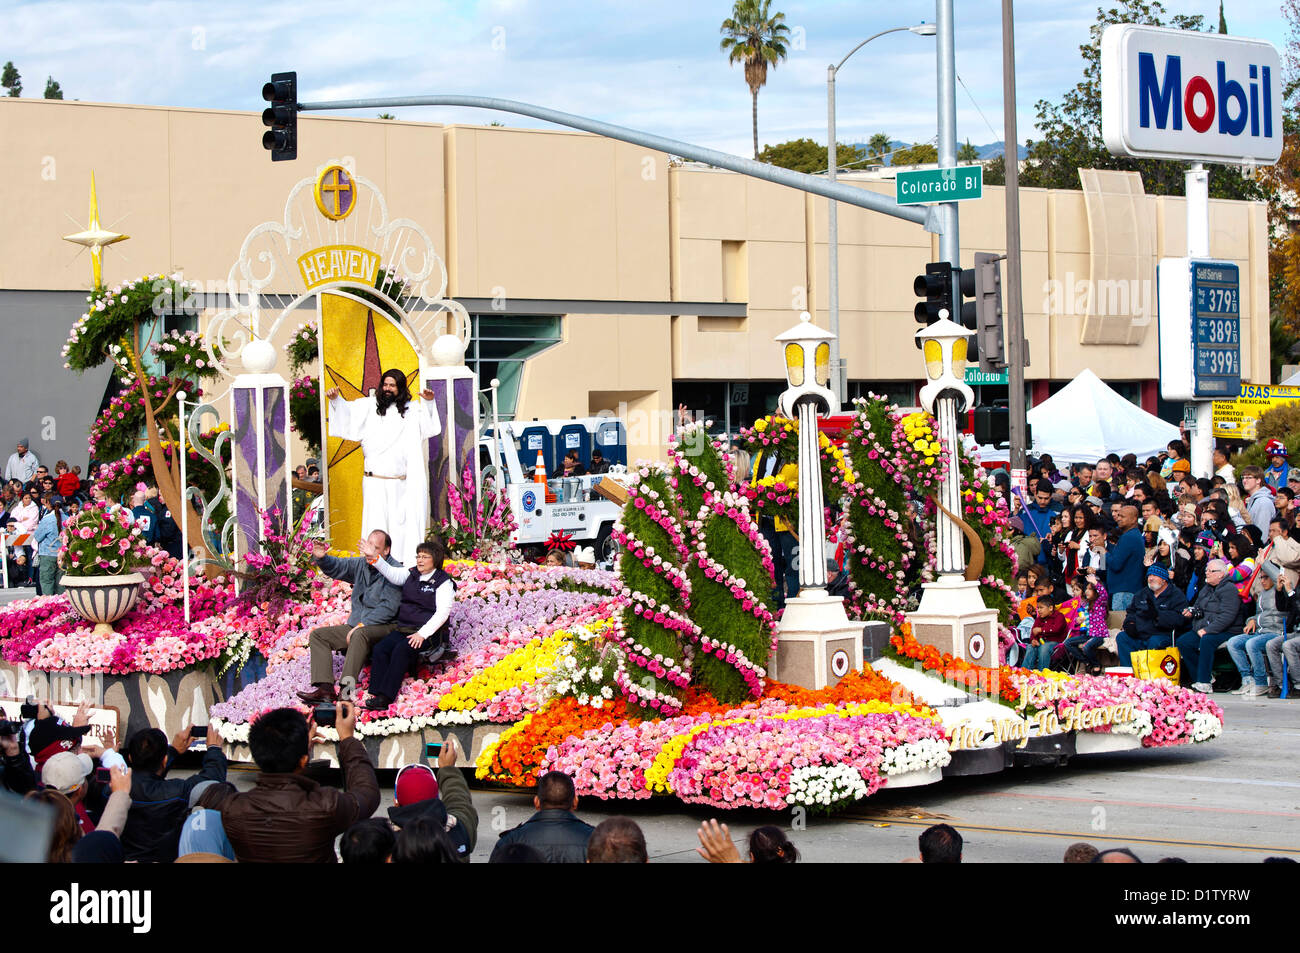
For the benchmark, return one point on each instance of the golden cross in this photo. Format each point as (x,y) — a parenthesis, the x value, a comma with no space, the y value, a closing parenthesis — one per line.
(337,187)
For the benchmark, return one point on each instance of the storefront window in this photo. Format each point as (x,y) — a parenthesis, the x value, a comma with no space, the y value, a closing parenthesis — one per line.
(500,344)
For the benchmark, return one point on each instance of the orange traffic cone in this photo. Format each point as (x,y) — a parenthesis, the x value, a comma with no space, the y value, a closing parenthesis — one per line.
(539,476)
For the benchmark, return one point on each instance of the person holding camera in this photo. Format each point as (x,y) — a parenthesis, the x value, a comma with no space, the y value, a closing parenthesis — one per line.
(160,805)
(288,817)
(16,772)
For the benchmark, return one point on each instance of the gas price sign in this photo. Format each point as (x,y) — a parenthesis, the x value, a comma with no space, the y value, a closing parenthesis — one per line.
(1216,328)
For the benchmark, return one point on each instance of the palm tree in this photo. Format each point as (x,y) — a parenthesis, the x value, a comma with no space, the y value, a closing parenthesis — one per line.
(753,36)
(968,153)
(878,145)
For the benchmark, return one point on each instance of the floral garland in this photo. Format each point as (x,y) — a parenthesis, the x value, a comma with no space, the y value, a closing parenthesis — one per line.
(655,629)
(778,495)
(737,631)
(878,550)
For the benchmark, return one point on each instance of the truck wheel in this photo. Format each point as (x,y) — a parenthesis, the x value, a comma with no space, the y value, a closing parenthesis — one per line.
(606,548)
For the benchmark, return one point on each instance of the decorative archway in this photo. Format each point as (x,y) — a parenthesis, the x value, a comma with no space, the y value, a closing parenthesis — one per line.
(378,285)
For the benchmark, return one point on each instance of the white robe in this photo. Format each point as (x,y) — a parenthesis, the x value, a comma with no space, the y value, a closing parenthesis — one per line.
(392,446)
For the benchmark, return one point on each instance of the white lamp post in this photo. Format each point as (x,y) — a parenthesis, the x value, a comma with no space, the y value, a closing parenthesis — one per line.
(944,347)
(816,643)
(952,616)
(807,372)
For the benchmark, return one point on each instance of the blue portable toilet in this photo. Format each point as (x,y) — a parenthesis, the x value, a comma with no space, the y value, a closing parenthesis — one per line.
(611,437)
(532,438)
(573,436)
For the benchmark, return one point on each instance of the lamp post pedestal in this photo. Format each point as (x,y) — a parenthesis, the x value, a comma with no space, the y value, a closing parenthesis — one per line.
(953,618)
(817,644)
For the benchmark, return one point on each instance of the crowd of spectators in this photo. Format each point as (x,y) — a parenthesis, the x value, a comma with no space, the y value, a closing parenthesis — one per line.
(1205,564)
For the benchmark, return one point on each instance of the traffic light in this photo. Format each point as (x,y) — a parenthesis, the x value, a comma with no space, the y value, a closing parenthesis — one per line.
(988,309)
(935,286)
(993,426)
(281,116)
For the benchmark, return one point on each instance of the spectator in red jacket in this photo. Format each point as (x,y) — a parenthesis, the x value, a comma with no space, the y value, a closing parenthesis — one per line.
(65,481)
(1048,631)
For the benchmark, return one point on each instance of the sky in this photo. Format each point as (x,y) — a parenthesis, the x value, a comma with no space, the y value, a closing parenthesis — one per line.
(653,67)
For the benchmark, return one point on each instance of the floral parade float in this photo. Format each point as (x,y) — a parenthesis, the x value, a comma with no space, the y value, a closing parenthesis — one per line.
(646,682)
(652,681)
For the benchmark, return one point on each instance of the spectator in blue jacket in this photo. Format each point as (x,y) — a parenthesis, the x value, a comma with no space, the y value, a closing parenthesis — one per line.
(49,540)
(1125,559)
(1037,516)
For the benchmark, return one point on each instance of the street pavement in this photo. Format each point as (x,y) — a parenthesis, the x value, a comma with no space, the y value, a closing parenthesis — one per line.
(1232,800)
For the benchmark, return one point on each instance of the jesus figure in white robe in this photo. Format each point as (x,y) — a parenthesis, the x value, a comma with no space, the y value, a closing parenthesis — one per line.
(393,431)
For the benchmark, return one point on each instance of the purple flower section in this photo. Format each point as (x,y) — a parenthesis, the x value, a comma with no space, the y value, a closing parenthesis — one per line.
(476,623)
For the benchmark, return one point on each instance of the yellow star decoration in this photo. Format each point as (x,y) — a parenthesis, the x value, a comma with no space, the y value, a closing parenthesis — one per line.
(96,238)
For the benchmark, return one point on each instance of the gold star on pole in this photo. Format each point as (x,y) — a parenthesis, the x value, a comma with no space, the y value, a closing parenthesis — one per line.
(96,238)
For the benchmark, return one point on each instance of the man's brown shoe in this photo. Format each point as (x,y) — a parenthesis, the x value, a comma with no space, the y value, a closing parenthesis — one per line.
(1274,691)
(318,695)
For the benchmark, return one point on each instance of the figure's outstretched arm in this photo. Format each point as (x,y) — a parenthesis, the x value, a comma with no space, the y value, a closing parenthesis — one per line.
(346,417)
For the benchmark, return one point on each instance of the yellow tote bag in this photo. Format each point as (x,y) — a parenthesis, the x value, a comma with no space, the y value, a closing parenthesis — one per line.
(1157,663)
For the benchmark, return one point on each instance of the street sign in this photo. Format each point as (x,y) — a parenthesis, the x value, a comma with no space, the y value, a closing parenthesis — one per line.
(920,186)
(1199,314)
(974,376)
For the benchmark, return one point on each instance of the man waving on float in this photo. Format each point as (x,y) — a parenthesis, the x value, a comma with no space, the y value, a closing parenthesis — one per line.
(392,430)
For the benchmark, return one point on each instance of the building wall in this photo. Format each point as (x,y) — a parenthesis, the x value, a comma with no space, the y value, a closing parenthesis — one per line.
(656,254)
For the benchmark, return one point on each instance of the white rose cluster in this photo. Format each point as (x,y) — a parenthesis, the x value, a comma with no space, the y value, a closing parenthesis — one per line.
(1204,726)
(825,785)
(1140,725)
(924,755)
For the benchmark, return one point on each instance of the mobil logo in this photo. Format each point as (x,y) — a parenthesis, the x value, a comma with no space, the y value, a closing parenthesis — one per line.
(1159,100)
(1178,94)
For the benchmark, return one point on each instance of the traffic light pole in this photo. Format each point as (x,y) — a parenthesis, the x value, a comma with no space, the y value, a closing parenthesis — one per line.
(1015,343)
(949,241)
(926,216)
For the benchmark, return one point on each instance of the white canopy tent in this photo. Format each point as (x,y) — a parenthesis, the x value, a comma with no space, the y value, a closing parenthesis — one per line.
(1086,420)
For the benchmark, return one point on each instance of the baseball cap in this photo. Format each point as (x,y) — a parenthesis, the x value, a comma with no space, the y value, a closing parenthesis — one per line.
(415,783)
(65,771)
(50,737)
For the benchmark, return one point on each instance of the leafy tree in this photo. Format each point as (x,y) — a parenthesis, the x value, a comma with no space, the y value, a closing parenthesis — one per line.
(918,153)
(1281,183)
(805,155)
(52,89)
(968,153)
(1072,128)
(1281,339)
(995,171)
(10,79)
(757,38)
(1223,24)
(387,116)
(878,146)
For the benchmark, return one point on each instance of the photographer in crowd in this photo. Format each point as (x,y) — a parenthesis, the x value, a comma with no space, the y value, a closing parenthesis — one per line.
(159,805)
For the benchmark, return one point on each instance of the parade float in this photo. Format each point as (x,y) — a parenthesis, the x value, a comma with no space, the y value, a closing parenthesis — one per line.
(679,674)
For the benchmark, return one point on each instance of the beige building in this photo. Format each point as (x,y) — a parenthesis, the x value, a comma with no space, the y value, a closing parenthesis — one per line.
(600,275)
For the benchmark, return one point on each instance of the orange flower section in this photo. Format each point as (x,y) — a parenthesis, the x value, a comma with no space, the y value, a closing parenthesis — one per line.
(955,669)
(516,759)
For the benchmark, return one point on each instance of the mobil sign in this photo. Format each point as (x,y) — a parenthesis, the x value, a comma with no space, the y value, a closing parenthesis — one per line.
(1177,94)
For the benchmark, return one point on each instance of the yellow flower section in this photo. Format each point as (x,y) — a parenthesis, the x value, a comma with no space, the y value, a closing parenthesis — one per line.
(521,667)
(657,775)
(918,428)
